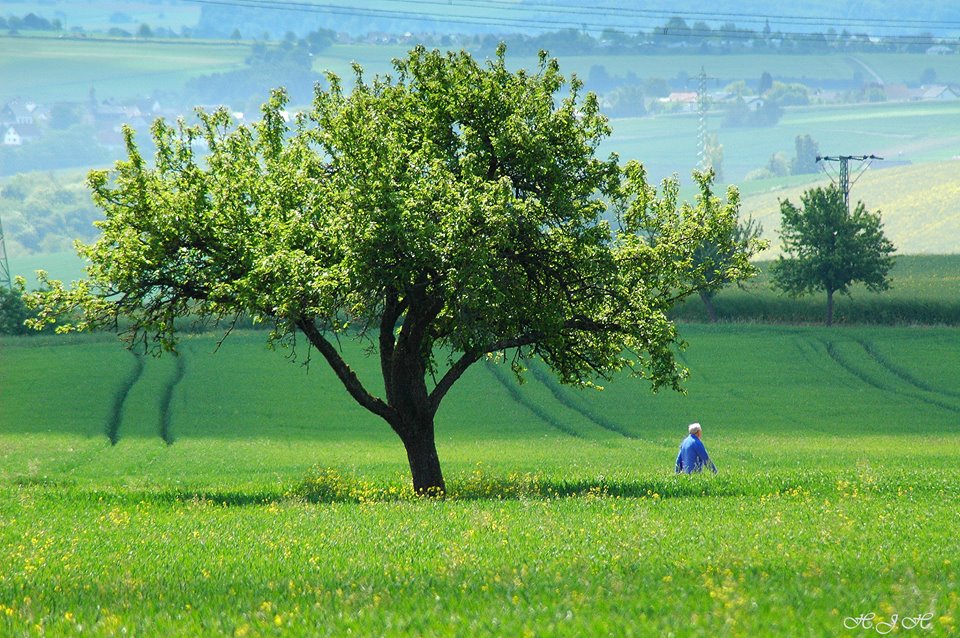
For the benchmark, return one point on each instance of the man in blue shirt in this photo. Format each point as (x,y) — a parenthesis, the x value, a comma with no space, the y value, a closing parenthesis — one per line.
(693,455)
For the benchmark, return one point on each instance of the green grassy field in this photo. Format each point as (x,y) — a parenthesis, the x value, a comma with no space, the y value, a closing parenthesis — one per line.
(51,69)
(838,452)
(918,133)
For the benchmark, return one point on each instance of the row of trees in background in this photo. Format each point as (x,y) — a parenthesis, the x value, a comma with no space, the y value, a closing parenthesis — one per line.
(288,63)
(29,22)
(238,22)
(728,38)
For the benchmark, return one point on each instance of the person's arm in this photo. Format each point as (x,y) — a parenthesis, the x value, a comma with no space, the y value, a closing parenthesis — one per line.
(679,467)
(704,457)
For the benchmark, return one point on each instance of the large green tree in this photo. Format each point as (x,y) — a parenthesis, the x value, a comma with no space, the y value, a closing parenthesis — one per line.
(450,212)
(828,248)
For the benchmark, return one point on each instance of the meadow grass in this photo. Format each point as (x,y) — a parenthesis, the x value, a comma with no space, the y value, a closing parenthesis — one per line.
(793,563)
(280,508)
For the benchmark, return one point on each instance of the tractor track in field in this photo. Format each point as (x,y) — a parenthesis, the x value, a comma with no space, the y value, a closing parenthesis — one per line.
(566,400)
(120,398)
(902,374)
(167,398)
(514,390)
(874,383)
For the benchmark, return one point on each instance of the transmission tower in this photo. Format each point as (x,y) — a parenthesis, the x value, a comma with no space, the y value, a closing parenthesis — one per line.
(703,162)
(5,279)
(843,179)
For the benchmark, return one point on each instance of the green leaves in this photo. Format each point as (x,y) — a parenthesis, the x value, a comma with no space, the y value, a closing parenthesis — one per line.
(458,205)
(826,248)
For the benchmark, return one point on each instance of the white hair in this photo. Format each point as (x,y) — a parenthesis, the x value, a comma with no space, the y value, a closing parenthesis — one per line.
(694,427)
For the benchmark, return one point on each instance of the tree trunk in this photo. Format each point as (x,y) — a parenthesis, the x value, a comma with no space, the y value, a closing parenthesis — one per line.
(829,307)
(707,299)
(424,461)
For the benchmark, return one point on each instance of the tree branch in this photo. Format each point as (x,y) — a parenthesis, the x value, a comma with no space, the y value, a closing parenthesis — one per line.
(391,312)
(346,375)
(451,377)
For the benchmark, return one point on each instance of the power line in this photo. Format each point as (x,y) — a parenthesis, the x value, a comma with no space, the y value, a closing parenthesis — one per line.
(844,179)
(758,18)
(571,22)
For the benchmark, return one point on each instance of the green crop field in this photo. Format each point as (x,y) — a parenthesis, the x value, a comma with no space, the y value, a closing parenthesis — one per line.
(238,493)
(902,132)
(66,68)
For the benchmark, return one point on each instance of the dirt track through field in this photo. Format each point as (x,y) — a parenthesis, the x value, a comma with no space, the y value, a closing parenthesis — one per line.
(120,397)
(165,432)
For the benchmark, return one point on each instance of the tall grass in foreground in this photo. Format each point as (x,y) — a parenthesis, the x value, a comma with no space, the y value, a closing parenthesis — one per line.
(796,562)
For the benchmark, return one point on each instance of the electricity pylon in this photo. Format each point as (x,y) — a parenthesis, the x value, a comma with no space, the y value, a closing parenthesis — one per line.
(5,279)
(843,181)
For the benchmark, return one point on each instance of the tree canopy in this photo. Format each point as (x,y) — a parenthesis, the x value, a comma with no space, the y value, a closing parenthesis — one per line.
(826,248)
(452,211)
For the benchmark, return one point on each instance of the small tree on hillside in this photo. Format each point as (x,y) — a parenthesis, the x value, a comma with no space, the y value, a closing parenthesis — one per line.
(745,236)
(714,156)
(826,248)
(807,153)
(449,213)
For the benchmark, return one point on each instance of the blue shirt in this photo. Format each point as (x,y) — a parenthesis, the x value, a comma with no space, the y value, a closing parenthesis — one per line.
(693,456)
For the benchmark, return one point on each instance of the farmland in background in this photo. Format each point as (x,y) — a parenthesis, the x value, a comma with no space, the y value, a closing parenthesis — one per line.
(65,69)
(898,132)
(925,290)
(919,205)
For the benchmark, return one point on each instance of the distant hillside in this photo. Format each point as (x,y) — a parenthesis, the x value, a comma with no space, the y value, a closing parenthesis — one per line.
(920,205)
(359,17)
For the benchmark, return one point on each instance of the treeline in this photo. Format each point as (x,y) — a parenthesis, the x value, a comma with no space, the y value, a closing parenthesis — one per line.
(45,213)
(528,19)
(29,22)
(676,35)
(288,63)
